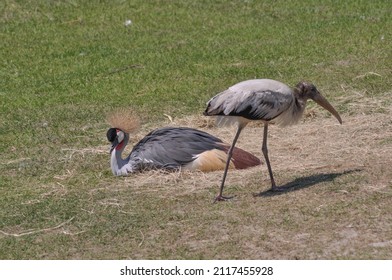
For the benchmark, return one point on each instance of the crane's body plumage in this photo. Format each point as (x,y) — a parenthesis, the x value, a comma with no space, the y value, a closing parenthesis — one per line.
(173,148)
(264,100)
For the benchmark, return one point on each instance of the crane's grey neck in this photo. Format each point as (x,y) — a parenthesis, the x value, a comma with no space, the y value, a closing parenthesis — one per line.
(119,165)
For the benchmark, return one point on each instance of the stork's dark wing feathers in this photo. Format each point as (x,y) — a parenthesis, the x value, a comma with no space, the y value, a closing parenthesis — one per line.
(256,105)
(265,105)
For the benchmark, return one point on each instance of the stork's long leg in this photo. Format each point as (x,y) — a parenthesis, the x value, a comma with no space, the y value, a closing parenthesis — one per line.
(265,153)
(220,197)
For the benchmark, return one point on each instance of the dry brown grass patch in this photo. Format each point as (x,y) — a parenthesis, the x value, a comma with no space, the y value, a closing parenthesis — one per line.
(337,204)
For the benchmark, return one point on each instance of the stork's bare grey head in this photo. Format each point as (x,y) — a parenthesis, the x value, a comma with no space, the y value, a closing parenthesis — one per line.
(305,90)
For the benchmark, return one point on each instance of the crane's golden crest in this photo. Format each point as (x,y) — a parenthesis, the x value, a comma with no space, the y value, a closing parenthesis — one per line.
(124,119)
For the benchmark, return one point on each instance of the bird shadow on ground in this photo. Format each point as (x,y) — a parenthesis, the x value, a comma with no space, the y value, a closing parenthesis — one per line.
(305,182)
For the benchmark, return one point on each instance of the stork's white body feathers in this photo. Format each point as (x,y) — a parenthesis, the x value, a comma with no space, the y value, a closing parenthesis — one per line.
(257,99)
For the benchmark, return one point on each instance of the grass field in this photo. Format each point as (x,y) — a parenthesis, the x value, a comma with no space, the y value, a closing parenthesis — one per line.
(67,64)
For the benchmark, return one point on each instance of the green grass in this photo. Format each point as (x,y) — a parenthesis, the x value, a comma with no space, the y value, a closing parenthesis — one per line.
(66,64)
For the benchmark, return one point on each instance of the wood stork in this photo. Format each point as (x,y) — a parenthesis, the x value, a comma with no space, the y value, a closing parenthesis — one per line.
(173,148)
(266,100)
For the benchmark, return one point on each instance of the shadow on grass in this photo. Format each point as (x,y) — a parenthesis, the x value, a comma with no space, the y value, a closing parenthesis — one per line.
(305,182)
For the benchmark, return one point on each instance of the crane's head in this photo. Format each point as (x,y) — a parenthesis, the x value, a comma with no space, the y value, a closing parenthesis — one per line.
(307,90)
(122,121)
(116,137)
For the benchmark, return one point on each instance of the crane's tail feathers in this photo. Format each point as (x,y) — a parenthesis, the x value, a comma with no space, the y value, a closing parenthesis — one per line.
(242,159)
(124,119)
(215,159)
(210,160)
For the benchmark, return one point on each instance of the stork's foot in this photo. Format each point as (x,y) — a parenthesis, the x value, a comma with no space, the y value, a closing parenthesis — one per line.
(222,198)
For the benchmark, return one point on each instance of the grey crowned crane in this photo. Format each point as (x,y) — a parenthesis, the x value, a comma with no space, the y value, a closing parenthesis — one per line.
(264,100)
(171,148)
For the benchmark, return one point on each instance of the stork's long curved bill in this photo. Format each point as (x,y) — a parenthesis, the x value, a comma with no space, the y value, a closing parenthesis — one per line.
(319,99)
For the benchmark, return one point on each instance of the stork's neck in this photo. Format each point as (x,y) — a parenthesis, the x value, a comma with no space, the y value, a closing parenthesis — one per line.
(117,163)
(294,112)
(299,105)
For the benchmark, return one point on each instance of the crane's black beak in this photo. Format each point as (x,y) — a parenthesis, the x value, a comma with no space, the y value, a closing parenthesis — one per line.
(320,100)
(114,144)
